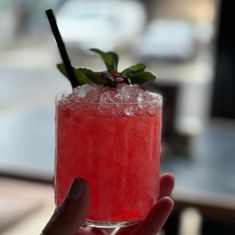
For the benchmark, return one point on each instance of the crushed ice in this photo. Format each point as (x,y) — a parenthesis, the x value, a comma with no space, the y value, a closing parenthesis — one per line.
(125,99)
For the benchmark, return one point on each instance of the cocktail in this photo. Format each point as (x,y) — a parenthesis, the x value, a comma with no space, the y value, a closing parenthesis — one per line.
(108,131)
(111,138)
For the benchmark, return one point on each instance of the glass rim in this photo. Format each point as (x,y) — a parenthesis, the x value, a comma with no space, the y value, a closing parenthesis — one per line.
(158,99)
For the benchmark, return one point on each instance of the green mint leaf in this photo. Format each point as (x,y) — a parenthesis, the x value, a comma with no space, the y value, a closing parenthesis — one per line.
(93,76)
(134,74)
(80,77)
(62,69)
(110,59)
(115,60)
(133,68)
(141,77)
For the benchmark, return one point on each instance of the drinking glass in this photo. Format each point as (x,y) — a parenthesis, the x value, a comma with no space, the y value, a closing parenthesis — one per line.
(115,147)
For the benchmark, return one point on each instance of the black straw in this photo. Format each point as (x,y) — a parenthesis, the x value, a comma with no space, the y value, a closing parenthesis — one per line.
(61,47)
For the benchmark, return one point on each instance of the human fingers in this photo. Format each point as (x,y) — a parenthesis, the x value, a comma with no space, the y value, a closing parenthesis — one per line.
(68,217)
(167,182)
(156,218)
(166,188)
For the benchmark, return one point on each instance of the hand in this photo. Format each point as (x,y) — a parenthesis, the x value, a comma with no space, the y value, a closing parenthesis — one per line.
(71,214)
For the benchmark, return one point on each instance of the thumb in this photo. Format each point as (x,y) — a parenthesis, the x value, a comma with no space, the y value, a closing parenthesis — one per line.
(69,216)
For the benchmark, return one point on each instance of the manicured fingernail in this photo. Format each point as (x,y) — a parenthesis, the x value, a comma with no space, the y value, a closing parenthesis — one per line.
(76,189)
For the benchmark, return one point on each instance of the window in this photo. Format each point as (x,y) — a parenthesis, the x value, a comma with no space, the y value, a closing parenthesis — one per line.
(29,80)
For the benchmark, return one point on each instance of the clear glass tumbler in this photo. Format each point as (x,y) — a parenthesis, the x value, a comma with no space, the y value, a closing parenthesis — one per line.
(115,147)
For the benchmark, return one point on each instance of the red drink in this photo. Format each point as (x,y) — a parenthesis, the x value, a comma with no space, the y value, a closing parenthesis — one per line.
(116,148)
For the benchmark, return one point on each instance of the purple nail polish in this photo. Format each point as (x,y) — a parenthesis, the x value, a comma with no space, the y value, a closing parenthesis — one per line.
(76,188)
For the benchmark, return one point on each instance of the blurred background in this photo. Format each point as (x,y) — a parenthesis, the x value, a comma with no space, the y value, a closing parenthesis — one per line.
(189,44)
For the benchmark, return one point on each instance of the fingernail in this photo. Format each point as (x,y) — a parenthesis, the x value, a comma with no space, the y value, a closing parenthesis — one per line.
(76,188)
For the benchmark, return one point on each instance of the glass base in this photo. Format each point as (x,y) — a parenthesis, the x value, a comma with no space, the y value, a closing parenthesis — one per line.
(101,224)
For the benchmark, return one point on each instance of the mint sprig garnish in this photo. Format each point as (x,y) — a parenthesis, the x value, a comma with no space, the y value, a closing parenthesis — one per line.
(141,77)
(110,59)
(133,69)
(134,74)
(137,74)
(94,77)
(81,78)
(83,75)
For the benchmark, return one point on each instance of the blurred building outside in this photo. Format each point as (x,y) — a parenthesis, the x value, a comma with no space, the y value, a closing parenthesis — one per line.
(28,36)
(29,80)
